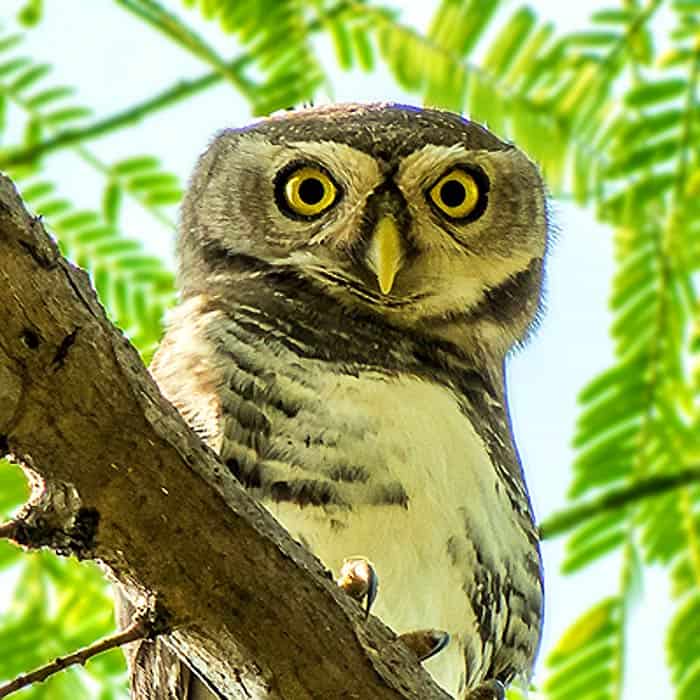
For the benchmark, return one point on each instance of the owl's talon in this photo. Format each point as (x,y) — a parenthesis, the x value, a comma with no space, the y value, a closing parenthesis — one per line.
(359,580)
(425,643)
(489,690)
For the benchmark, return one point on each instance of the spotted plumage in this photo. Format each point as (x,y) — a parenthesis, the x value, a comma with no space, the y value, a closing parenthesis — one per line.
(352,278)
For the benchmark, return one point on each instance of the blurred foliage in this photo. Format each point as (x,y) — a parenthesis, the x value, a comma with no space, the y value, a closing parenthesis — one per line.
(58,606)
(609,112)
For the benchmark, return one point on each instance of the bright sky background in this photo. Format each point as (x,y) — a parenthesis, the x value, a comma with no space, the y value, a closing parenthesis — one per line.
(116,61)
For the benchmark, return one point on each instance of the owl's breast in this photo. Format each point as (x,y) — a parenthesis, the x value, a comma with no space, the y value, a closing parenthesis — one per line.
(389,464)
(414,490)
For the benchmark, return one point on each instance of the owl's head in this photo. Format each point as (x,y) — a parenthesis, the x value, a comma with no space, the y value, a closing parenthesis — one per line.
(417,215)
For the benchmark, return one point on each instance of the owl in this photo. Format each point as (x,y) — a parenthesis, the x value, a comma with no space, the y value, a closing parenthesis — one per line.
(352,278)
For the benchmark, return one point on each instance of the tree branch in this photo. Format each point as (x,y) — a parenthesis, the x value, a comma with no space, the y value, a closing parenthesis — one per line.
(118,476)
(142,627)
(565,520)
(169,24)
(79,135)
(180,90)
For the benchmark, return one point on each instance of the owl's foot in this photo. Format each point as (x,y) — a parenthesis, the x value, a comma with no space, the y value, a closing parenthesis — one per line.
(489,690)
(425,643)
(359,579)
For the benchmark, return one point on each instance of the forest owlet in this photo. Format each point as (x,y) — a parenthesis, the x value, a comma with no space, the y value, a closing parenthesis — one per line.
(352,277)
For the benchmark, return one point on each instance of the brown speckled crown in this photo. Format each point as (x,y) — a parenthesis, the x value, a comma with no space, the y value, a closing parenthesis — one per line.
(387,130)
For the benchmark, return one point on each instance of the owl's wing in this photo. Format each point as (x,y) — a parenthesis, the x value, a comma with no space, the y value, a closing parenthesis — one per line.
(507,597)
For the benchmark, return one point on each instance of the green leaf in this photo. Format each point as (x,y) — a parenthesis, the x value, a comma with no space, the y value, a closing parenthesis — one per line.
(53,207)
(663,535)
(686,5)
(645,157)
(343,44)
(13,488)
(137,164)
(150,181)
(362,48)
(525,63)
(29,77)
(594,38)
(111,202)
(593,550)
(609,380)
(622,407)
(510,41)
(10,41)
(593,627)
(651,125)
(45,97)
(163,196)
(651,94)
(31,13)
(76,220)
(683,646)
(66,114)
(676,56)
(3,114)
(457,26)
(582,176)
(611,16)
(13,65)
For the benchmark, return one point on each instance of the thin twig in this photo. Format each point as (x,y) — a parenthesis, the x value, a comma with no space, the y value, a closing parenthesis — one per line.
(181,89)
(565,520)
(139,629)
(157,16)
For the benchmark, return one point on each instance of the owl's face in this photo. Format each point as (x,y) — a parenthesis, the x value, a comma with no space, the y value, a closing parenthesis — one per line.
(417,215)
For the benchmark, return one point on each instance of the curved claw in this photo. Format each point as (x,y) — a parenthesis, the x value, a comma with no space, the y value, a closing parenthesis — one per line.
(489,690)
(359,579)
(372,588)
(425,643)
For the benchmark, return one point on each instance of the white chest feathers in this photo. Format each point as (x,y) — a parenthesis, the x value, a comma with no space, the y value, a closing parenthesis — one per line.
(412,434)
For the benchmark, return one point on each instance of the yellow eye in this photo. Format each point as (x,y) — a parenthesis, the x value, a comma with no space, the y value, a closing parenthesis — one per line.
(308,191)
(456,194)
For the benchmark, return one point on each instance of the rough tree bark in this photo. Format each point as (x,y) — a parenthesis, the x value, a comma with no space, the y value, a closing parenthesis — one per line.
(118,477)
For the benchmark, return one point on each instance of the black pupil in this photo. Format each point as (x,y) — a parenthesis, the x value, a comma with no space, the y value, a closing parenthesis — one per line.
(311,191)
(453,193)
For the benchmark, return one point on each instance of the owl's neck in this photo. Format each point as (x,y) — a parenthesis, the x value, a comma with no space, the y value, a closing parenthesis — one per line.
(316,325)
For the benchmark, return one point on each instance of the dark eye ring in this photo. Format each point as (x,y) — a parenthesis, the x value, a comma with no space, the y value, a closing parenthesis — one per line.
(459,193)
(307,191)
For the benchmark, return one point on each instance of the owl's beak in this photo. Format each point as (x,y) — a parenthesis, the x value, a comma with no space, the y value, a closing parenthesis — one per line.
(385,252)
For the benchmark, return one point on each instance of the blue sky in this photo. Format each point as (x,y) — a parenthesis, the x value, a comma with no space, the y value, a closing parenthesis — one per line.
(115,61)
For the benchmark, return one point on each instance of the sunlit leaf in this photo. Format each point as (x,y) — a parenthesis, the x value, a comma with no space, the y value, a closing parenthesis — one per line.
(653,93)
